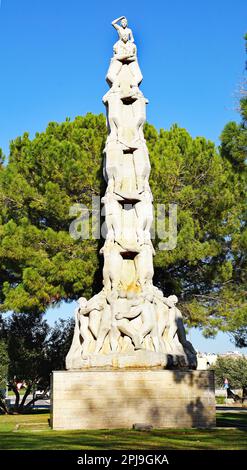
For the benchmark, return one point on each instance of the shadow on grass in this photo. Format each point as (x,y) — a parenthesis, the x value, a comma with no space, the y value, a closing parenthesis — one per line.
(237,420)
(31,432)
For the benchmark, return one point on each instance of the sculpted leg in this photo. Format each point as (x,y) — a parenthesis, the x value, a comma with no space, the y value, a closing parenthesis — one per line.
(125,327)
(148,319)
(113,218)
(94,322)
(75,348)
(113,115)
(105,326)
(114,336)
(142,167)
(144,266)
(139,110)
(113,71)
(136,72)
(113,166)
(85,334)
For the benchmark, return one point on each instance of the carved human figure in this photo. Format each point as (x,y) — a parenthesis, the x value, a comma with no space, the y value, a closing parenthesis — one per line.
(144,217)
(175,325)
(142,168)
(122,118)
(112,266)
(113,166)
(162,311)
(176,328)
(145,309)
(113,217)
(114,333)
(94,315)
(139,112)
(113,107)
(129,234)
(123,29)
(84,324)
(93,309)
(124,52)
(74,353)
(121,305)
(104,328)
(149,320)
(144,266)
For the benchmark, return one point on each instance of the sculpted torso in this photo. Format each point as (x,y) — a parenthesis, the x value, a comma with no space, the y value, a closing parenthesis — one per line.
(125,33)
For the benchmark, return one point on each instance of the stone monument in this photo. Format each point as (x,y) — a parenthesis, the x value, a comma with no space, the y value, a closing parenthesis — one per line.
(128,333)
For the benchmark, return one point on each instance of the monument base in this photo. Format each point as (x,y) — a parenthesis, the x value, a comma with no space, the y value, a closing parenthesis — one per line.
(140,359)
(118,399)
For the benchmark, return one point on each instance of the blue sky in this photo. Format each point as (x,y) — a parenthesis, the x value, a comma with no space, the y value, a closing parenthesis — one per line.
(55,54)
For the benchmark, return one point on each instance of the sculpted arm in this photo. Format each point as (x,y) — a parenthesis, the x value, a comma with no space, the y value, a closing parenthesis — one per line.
(115,22)
(92,305)
(133,313)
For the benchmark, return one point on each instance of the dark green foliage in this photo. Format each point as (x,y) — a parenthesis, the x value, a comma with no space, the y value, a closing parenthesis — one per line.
(204,269)
(32,350)
(234,149)
(40,264)
(234,369)
(4,363)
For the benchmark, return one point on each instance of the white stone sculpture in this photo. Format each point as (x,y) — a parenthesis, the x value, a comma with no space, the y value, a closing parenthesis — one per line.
(113,217)
(113,168)
(125,51)
(73,357)
(144,266)
(139,111)
(113,102)
(129,323)
(144,217)
(142,168)
(93,309)
(112,266)
(84,324)
(123,29)
(162,313)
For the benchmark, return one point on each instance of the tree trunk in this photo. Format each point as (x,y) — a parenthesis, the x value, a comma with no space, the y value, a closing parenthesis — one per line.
(17,396)
(244,395)
(3,406)
(28,390)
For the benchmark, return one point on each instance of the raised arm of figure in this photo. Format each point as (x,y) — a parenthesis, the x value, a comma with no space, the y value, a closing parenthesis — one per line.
(115,22)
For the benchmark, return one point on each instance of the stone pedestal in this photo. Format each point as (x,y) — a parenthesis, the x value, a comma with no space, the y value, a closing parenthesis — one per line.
(118,399)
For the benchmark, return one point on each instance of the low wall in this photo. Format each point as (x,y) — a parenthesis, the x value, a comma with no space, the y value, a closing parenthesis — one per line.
(119,399)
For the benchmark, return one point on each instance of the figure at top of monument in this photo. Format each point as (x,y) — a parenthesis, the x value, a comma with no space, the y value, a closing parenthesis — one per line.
(125,33)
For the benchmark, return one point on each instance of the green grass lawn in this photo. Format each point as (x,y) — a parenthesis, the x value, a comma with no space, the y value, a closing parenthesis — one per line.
(32,432)
(12,394)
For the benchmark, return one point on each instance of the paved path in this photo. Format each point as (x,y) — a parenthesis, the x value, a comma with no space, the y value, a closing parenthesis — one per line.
(38,403)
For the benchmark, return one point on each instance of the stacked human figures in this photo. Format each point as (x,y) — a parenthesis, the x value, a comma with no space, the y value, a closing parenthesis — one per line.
(129,323)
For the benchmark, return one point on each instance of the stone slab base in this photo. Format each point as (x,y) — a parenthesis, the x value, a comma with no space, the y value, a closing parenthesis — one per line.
(140,359)
(119,399)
